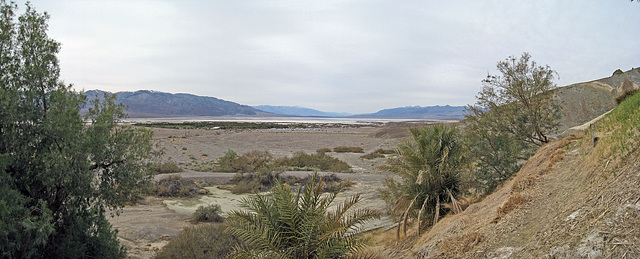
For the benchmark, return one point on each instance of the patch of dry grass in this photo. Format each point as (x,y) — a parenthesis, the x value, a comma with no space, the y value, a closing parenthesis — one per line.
(459,245)
(344,149)
(514,202)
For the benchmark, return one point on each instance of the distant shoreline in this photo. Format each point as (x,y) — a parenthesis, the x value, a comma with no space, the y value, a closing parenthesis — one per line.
(340,120)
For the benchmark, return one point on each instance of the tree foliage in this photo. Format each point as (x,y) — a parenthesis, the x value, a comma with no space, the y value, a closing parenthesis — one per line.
(429,165)
(60,171)
(514,114)
(284,224)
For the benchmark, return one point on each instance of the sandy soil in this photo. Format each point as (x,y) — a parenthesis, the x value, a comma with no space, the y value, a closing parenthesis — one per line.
(146,227)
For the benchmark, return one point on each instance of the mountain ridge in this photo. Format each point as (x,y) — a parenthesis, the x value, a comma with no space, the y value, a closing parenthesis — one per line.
(149,103)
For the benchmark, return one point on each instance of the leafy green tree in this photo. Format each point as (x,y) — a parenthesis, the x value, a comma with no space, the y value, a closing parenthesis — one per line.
(429,165)
(513,115)
(520,100)
(284,224)
(60,172)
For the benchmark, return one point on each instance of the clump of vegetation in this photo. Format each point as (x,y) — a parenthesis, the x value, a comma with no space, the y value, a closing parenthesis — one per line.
(513,116)
(60,170)
(174,186)
(257,171)
(623,123)
(429,165)
(305,227)
(206,166)
(515,201)
(253,182)
(221,125)
(168,167)
(206,241)
(343,149)
(253,161)
(379,153)
(331,182)
(209,213)
(324,150)
(313,162)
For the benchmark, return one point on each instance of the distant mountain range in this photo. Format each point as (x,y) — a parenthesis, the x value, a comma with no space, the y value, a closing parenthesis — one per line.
(418,112)
(145,103)
(153,104)
(299,111)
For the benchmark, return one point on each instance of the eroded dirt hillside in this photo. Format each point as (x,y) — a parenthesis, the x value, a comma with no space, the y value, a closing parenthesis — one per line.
(573,199)
(583,102)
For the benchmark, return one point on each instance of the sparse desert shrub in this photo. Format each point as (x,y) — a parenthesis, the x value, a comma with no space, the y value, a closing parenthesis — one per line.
(317,162)
(343,149)
(206,166)
(226,162)
(253,161)
(379,153)
(372,155)
(209,213)
(459,245)
(385,151)
(174,186)
(208,241)
(324,150)
(166,167)
(253,182)
(331,182)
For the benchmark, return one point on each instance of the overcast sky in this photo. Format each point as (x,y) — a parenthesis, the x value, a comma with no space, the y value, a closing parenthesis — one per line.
(339,56)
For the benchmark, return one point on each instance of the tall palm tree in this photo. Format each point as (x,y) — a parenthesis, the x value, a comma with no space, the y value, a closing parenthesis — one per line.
(429,165)
(284,224)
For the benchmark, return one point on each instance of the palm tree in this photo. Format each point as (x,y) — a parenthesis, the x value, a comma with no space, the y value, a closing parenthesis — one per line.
(429,165)
(284,224)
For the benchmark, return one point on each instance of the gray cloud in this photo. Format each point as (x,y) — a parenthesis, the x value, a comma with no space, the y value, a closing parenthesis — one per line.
(353,56)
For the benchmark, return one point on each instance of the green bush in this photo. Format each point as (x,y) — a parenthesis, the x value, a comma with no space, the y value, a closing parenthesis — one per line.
(253,182)
(372,155)
(289,225)
(226,162)
(209,213)
(207,241)
(385,151)
(323,150)
(379,153)
(166,168)
(318,161)
(206,166)
(429,165)
(174,186)
(253,161)
(343,149)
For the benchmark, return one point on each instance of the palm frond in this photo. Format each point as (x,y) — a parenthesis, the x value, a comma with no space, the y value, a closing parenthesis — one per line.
(424,204)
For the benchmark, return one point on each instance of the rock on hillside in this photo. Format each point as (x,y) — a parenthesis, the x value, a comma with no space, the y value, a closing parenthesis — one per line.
(583,102)
(572,199)
(146,103)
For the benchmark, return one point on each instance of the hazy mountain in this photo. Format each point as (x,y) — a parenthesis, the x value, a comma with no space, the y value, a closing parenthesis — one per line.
(418,112)
(298,111)
(145,103)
